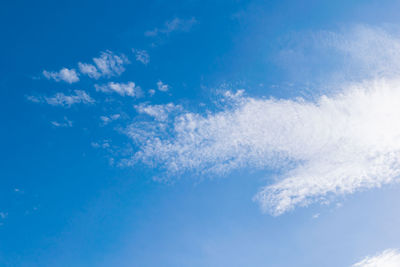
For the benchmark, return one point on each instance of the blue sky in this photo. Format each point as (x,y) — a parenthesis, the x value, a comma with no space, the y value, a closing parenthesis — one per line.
(199,133)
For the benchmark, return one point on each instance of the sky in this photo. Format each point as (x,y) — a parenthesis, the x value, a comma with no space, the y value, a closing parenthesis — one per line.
(200,133)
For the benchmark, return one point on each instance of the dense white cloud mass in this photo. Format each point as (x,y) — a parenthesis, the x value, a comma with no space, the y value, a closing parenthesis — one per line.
(335,145)
(60,99)
(66,75)
(129,88)
(388,258)
(108,65)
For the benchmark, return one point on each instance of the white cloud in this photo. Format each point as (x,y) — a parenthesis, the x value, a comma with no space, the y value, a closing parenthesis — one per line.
(158,112)
(129,89)
(107,119)
(329,146)
(141,56)
(66,75)
(333,146)
(65,123)
(329,58)
(60,99)
(175,24)
(162,86)
(373,50)
(151,92)
(89,69)
(108,65)
(105,144)
(388,258)
(34,99)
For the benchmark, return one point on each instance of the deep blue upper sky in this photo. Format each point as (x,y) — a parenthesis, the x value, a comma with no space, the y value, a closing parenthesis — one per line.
(66,202)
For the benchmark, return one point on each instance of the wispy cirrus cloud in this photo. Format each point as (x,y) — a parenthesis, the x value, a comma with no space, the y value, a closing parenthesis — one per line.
(387,258)
(174,25)
(66,75)
(60,99)
(123,89)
